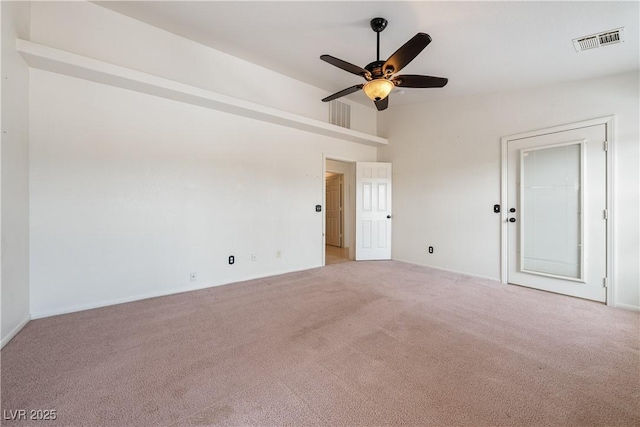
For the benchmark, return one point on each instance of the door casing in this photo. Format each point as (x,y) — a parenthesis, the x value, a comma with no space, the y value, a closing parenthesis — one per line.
(608,121)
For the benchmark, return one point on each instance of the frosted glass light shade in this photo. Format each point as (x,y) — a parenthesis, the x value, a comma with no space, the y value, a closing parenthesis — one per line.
(378,89)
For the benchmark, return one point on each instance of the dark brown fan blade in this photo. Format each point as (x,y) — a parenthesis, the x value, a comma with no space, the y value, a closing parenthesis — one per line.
(345,65)
(342,93)
(413,80)
(406,53)
(382,104)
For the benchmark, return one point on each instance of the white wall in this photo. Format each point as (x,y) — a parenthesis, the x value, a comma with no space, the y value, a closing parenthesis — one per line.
(446,158)
(91,30)
(15,172)
(130,193)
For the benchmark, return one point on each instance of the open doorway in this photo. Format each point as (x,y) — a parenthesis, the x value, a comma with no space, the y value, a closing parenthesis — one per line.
(339,211)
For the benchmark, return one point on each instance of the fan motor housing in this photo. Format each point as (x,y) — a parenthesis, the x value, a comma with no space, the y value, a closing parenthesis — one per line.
(375,68)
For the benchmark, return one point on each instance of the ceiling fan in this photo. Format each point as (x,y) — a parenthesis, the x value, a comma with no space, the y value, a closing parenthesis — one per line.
(380,75)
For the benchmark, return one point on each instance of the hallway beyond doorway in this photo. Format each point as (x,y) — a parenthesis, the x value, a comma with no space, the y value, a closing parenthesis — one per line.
(335,255)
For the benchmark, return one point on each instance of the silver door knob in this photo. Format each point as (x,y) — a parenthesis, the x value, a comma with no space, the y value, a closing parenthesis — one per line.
(388,216)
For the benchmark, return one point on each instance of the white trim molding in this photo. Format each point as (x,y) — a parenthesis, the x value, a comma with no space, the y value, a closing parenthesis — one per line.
(627,307)
(155,294)
(449,270)
(15,331)
(608,121)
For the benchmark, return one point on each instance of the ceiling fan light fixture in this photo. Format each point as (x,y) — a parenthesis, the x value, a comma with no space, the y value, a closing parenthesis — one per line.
(378,89)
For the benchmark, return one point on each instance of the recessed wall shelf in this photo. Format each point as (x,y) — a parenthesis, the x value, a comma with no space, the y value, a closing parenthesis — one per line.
(71,64)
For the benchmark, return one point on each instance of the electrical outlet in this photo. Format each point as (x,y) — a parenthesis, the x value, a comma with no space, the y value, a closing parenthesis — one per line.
(232,259)
(278,254)
(430,249)
(254,257)
(193,277)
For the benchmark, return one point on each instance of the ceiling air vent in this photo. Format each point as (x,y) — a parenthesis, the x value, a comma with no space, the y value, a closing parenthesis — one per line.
(596,40)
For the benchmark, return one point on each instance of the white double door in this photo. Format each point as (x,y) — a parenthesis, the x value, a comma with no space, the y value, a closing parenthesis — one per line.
(556,212)
(373,211)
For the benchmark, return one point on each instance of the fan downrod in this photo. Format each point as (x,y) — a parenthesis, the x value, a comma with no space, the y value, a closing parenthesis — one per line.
(378,24)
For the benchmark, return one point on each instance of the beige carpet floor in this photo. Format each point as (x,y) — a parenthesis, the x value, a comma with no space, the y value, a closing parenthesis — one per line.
(355,343)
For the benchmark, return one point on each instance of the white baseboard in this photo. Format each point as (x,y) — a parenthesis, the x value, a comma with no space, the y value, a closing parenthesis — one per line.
(106,303)
(154,294)
(173,291)
(617,305)
(627,306)
(14,332)
(479,276)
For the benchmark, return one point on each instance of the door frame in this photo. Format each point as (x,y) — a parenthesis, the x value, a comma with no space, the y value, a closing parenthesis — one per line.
(608,121)
(326,157)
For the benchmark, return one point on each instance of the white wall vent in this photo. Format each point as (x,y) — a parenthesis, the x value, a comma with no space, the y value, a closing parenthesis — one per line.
(340,114)
(601,39)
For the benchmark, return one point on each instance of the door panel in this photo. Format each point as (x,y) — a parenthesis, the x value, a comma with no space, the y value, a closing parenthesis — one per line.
(366,234)
(551,202)
(373,211)
(556,202)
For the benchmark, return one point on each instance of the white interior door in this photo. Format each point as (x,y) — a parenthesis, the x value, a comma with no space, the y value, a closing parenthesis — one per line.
(556,212)
(334,210)
(373,211)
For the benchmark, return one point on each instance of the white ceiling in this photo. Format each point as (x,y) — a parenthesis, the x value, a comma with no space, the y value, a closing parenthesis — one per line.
(479,46)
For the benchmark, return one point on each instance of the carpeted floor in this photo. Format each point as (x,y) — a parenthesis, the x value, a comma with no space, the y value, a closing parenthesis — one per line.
(355,343)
